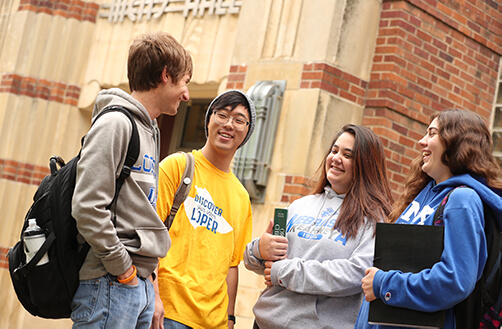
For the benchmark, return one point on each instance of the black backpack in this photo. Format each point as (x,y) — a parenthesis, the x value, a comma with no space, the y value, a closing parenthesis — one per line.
(47,290)
(483,307)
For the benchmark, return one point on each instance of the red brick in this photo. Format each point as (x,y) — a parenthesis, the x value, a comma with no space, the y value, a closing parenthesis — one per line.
(333,70)
(446,57)
(351,78)
(395,59)
(300,180)
(414,40)
(329,88)
(304,84)
(236,77)
(420,52)
(74,102)
(307,67)
(394,14)
(315,84)
(311,75)
(443,73)
(357,91)
(295,189)
(340,83)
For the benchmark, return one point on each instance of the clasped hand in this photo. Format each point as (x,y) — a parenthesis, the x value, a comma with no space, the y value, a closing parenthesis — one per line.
(367,283)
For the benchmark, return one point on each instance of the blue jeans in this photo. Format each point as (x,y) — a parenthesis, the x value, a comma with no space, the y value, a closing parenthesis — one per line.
(105,303)
(171,324)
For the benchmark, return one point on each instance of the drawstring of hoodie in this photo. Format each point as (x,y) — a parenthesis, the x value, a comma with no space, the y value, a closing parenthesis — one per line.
(321,224)
(156,134)
(320,209)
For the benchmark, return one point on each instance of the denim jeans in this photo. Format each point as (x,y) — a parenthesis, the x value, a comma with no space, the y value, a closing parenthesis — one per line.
(105,303)
(171,324)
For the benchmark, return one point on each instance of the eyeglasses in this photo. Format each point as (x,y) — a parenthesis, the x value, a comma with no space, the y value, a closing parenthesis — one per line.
(222,118)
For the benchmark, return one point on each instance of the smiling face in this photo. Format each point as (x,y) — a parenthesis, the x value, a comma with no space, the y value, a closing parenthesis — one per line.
(339,163)
(224,137)
(174,94)
(432,150)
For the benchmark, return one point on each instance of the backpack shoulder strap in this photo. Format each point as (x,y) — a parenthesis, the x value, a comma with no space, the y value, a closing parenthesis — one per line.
(183,189)
(438,215)
(132,149)
(493,269)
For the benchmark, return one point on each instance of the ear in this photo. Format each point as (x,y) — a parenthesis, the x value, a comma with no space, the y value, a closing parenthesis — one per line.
(165,76)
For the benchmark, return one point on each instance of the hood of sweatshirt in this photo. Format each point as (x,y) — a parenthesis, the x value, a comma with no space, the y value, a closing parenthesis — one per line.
(491,197)
(116,96)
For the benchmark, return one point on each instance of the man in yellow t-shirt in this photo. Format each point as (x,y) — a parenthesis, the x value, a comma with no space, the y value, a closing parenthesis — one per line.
(197,280)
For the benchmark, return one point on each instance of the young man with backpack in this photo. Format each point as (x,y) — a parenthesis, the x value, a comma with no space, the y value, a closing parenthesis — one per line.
(126,239)
(198,277)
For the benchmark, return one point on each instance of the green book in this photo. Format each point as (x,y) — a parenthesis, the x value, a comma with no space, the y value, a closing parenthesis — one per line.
(280,218)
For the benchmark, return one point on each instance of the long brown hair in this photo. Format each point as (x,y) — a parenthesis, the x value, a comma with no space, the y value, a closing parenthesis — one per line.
(369,192)
(468,150)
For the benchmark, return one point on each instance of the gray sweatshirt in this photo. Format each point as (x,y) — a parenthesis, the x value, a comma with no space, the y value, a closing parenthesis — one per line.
(319,284)
(139,237)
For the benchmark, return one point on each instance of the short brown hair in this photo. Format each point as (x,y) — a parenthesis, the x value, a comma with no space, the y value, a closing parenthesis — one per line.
(149,54)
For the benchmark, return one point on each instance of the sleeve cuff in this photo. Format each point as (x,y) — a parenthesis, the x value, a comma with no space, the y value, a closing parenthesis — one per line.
(256,249)
(274,275)
(377,279)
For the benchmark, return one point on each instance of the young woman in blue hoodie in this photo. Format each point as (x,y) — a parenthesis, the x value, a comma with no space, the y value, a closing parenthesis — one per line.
(456,150)
(313,275)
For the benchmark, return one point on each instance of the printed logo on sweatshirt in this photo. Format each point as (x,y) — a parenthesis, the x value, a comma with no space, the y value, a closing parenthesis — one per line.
(203,212)
(309,236)
(147,166)
(416,216)
(152,196)
(145,176)
(307,227)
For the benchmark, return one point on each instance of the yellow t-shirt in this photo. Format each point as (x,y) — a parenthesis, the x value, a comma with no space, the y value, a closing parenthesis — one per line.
(209,234)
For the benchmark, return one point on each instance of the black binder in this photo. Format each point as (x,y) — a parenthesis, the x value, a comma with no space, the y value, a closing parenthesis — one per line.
(408,248)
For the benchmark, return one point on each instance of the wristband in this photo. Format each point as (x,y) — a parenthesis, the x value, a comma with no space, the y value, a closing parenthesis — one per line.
(126,280)
(231,318)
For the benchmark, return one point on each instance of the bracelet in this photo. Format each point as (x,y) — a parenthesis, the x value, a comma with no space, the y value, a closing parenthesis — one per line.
(129,278)
(231,318)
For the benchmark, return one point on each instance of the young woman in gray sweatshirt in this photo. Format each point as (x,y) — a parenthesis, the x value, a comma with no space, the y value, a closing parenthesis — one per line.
(313,276)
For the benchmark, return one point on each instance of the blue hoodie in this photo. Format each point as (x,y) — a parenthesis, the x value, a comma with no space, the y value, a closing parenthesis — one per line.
(452,279)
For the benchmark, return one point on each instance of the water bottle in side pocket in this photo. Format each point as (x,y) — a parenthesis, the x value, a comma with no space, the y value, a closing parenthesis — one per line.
(34,238)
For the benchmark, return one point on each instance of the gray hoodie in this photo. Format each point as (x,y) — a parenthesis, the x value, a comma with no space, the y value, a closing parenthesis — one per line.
(319,284)
(139,237)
